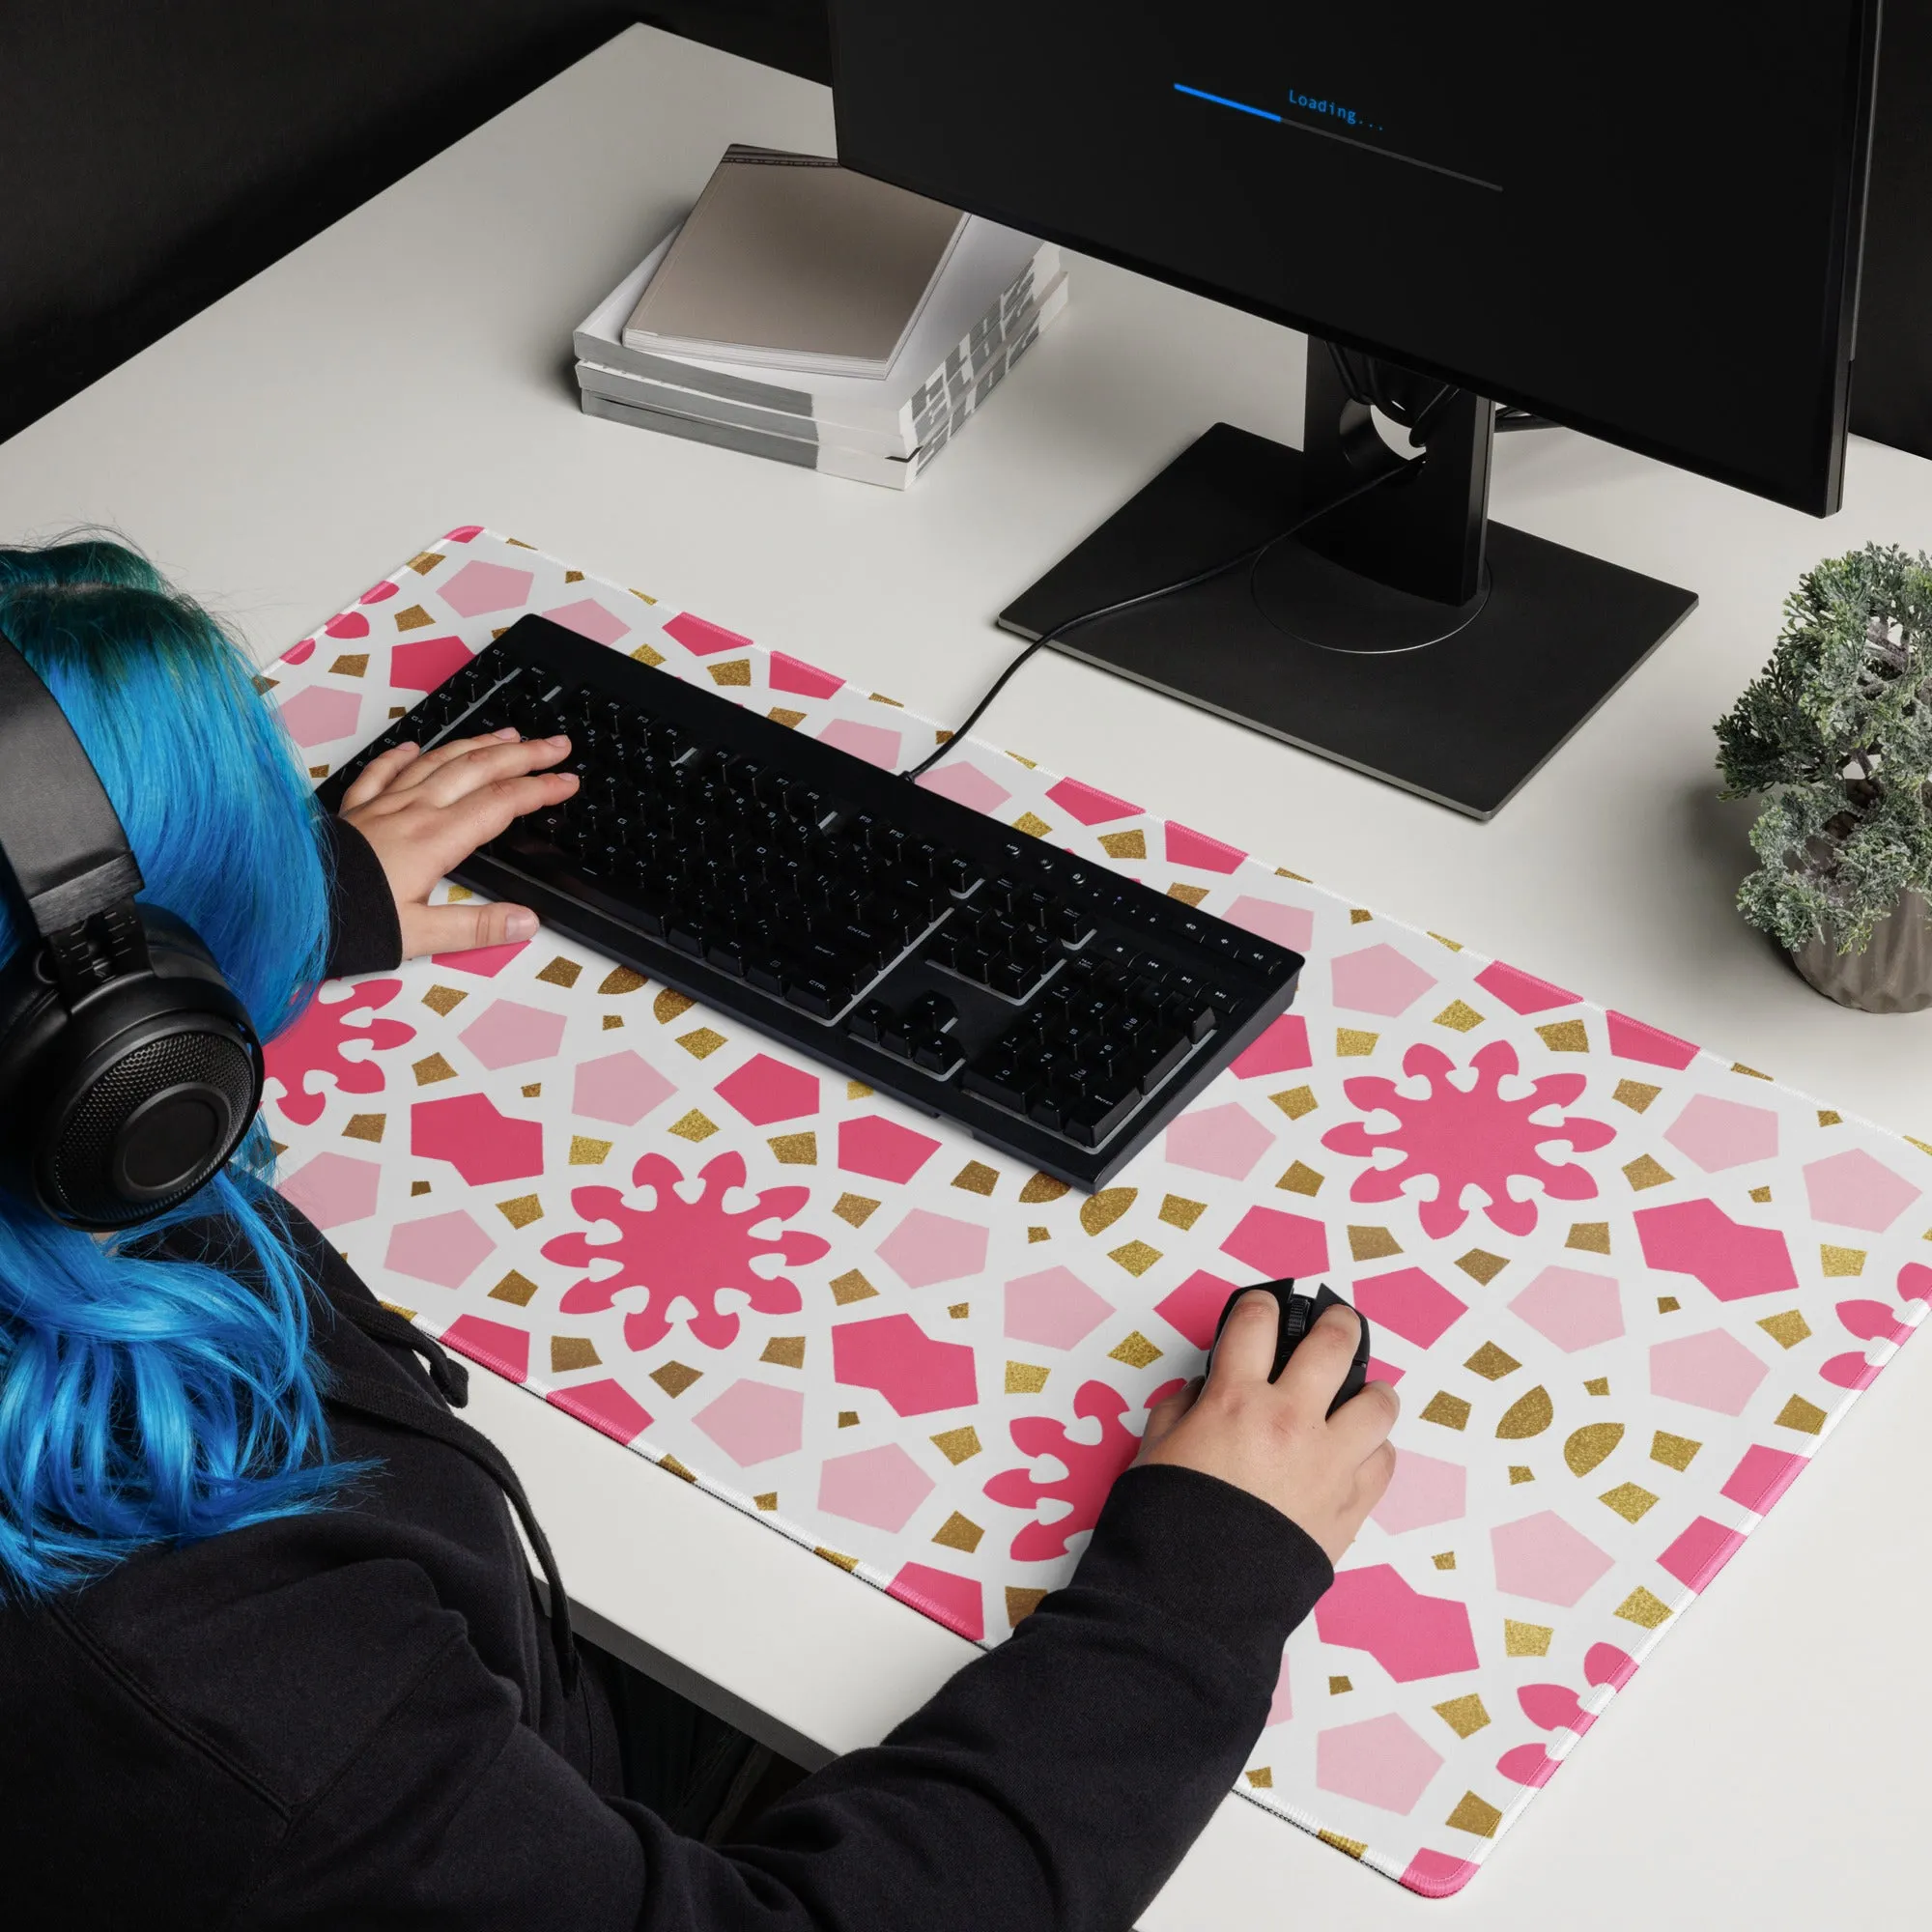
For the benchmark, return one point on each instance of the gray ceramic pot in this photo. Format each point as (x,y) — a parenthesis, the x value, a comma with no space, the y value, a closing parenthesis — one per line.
(1892,975)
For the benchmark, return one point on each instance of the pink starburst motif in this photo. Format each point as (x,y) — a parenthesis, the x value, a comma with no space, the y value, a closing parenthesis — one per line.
(318,1041)
(1473,1137)
(674,1249)
(1091,1468)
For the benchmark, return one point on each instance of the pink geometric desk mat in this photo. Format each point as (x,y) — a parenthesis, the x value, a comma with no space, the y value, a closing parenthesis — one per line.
(1625,1287)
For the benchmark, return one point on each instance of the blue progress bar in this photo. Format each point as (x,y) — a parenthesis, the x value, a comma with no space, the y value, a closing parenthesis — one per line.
(1222,101)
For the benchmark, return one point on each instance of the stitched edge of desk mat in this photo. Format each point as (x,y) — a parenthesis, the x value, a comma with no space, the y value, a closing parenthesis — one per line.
(1644,1284)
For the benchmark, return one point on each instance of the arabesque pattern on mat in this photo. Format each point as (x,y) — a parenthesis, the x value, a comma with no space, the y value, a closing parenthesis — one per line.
(1624,1286)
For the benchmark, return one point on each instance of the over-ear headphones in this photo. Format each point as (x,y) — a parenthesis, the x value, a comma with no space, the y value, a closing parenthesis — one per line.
(130,1070)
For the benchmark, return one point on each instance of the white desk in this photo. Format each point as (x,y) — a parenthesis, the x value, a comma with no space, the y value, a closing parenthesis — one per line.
(409,369)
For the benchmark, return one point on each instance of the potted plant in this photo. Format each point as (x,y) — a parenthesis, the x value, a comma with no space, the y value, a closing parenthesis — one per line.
(1837,736)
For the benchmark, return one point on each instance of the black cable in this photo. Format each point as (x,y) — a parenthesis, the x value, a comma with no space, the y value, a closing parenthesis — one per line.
(1251,556)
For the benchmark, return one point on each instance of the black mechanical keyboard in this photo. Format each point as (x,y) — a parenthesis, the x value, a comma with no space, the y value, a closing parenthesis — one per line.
(1060,1012)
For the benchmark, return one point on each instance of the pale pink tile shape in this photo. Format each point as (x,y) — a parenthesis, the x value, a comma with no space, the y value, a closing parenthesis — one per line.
(621,1088)
(1379,980)
(1712,1370)
(1218,1139)
(1053,1308)
(1292,926)
(1423,1490)
(320,714)
(880,1487)
(1571,1308)
(877,744)
(333,1188)
(964,782)
(446,1249)
(1381,1762)
(1855,1190)
(1719,1134)
(588,618)
(754,1421)
(1542,1556)
(480,587)
(506,1033)
(925,1248)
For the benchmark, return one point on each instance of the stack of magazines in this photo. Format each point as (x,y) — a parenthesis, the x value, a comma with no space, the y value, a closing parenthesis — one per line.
(817,317)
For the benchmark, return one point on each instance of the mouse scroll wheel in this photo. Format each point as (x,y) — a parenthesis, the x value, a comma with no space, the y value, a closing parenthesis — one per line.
(1294,1317)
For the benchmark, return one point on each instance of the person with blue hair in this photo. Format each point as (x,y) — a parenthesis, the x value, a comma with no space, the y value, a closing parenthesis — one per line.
(271,1654)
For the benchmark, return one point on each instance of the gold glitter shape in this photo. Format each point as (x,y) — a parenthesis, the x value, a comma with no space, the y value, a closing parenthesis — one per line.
(959,1532)
(1528,1415)
(1042,1187)
(1444,1559)
(1136,1351)
(1188,895)
(1668,1304)
(765,1499)
(738,671)
(976,1177)
(1590,1445)
(667,1005)
(1492,1363)
(1643,1609)
(1296,1101)
(1841,1262)
(520,1209)
(783,714)
(848,1418)
(1597,1386)
(1830,1117)
(1631,1501)
(618,980)
(444,999)
(414,618)
(693,1126)
(1032,824)
(644,653)
(1646,1172)
(1474,1815)
(424,561)
(1301,1179)
(700,1042)
(1177,1212)
(365,1127)
(1025,1378)
(1359,916)
(1340,1687)
(855,1210)
(1565,1037)
(1124,844)
(880,698)
(1593,1238)
(1136,1257)
(1020,758)
(518,1290)
(1261,1778)
(1351,1044)
(1464,1715)
(795,1149)
(958,1311)
(428,1071)
(1806,1417)
(561,972)
(418,1187)
(1526,1640)
(837,1557)
(397,1308)
(586,1151)
(959,1445)
(1100,1211)
(674,1377)
(1674,1452)
(1039,1234)
(1788,1330)
(1479,1265)
(851,1286)
(456,895)
(1372,1244)
(785,1352)
(1022,1604)
(351,663)
(1635,1094)
(1521,1472)
(1749,1072)
(1448,1411)
(1354,1848)
(572,1352)
(1760,1194)
(611,1020)
(1459,1016)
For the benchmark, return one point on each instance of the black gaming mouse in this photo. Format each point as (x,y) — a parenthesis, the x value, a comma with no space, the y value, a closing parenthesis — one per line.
(1299,1314)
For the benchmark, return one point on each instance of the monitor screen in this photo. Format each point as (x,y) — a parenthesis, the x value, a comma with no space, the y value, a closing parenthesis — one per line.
(1641,220)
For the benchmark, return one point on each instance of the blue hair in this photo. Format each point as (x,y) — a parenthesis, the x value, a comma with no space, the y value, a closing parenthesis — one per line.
(149,1400)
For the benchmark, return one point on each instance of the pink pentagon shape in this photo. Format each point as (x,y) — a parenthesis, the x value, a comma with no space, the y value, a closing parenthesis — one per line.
(1410,1634)
(877,744)
(1281,1706)
(495,1344)
(1762,1476)
(479,587)
(1439,1874)
(875,1146)
(1855,1190)
(606,1406)
(589,618)
(485,961)
(1282,1050)
(1292,926)
(1188,847)
(349,624)
(1571,1308)
(1423,1490)
(1091,807)
(1379,980)
(1718,1134)
(965,784)
(1411,1304)
(956,1601)
(1053,1308)
(1380,1762)
(506,1033)
(1279,1245)
(783,672)
(331,1188)
(1380,1371)
(1700,1552)
(895,1356)
(1712,1370)
(482,1144)
(620,1087)
(423,664)
(1544,1557)
(765,1090)
(703,638)
(1733,1259)
(446,1249)
(1523,992)
(320,714)
(1218,1139)
(925,1248)
(1632,1039)
(1195,1306)
(880,1487)
(754,1421)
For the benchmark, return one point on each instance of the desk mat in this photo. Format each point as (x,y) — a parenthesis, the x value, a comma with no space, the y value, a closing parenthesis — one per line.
(1626,1286)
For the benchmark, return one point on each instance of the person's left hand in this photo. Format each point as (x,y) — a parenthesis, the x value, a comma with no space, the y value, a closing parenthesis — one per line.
(424,813)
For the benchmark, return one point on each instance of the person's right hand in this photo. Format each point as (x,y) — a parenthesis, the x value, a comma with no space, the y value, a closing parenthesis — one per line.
(1277,1442)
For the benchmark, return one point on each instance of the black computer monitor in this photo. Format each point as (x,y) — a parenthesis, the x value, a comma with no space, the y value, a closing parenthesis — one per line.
(1641,221)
